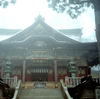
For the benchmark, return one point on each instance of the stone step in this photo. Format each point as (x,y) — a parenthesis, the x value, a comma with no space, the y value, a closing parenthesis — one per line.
(48,97)
(41,94)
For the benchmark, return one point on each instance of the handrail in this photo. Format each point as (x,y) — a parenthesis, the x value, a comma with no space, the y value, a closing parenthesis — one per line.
(7,78)
(64,90)
(17,90)
(83,76)
(73,81)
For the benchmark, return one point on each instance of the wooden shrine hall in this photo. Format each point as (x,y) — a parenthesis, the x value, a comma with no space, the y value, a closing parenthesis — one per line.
(41,53)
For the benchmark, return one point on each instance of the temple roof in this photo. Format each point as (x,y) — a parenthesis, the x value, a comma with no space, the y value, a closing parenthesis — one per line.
(8,31)
(38,31)
(76,32)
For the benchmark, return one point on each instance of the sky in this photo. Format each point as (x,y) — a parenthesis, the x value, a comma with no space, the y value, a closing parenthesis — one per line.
(23,13)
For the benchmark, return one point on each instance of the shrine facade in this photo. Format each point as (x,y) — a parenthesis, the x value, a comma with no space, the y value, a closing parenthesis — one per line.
(41,53)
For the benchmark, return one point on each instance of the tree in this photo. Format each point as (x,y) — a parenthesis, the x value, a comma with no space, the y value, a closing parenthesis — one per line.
(75,7)
(5,3)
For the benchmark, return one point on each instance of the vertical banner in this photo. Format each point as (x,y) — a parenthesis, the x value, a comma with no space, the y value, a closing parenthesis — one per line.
(47,70)
(35,70)
(40,70)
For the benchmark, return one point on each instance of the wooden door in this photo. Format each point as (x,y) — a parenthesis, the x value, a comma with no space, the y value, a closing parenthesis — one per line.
(50,74)
(39,76)
(82,72)
(16,72)
(28,78)
(62,72)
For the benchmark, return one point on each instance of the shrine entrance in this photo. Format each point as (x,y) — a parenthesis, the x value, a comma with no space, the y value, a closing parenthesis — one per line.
(39,74)
(39,70)
(39,77)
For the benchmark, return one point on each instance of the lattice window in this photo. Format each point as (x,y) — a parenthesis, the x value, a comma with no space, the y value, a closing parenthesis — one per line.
(83,71)
(50,71)
(14,72)
(59,72)
(64,71)
(18,71)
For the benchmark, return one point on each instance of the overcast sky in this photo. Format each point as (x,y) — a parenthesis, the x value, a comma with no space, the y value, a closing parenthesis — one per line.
(23,13)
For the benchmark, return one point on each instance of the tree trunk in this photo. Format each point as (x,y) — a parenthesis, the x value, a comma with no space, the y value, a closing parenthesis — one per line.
(97,23)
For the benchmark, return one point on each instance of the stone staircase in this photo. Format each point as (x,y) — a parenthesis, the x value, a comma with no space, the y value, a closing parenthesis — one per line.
(41,93)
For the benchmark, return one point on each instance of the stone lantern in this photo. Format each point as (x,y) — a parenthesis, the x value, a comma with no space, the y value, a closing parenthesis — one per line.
(72,67)
(8,68)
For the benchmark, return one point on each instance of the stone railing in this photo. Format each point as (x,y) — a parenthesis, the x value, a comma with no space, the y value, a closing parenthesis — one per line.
(97,79)
(64,90)
(17,90)
(73,81)
(12,82)
(97,93)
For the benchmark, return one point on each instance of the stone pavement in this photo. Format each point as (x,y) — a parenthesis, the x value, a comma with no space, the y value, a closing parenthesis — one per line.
(41,94)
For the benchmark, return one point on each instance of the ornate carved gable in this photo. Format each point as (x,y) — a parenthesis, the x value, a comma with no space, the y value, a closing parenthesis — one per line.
(39,30)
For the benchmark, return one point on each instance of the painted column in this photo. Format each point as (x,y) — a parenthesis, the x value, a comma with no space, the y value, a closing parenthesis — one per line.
(2,68)
(24,69)
(55,70)
(77,75)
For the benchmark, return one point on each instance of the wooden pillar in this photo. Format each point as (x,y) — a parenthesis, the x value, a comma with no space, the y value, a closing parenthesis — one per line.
(89,70)
(77,75)
(55,70)
(2,68)
(24,69)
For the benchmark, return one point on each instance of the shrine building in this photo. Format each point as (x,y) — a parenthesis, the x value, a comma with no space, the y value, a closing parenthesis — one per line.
(41,53)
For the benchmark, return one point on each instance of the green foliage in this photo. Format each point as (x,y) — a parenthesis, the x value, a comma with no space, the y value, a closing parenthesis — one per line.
(5,3)
(8,94)
(73,7)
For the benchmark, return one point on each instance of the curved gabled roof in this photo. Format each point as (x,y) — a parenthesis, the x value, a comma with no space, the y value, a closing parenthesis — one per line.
(76,32)
(40,29)
(8,32)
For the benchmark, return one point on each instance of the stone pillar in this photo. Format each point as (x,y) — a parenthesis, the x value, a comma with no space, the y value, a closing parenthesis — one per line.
(24,69)
(2,68)
(55,71)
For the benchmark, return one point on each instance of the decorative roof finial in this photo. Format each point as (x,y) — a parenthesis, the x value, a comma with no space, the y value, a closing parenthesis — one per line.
(39,17)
